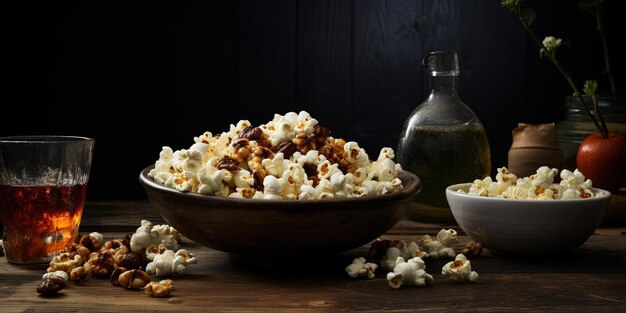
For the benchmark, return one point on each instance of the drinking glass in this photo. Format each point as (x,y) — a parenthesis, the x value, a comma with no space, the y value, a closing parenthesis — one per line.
(43,181)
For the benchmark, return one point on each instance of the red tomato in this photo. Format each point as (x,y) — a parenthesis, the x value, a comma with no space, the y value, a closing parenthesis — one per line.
(603,160)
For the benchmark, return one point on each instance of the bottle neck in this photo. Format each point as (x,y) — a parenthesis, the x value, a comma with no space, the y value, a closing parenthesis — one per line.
(443,84)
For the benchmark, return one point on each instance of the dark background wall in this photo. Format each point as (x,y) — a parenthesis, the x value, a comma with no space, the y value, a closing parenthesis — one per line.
(136,76)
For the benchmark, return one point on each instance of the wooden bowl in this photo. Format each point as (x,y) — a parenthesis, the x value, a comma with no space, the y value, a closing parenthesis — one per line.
(251,226)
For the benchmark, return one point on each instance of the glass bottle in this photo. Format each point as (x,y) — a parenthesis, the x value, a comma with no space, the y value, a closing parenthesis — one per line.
(442,141)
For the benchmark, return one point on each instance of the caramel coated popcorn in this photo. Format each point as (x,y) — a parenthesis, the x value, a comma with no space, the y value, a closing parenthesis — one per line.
(290,157)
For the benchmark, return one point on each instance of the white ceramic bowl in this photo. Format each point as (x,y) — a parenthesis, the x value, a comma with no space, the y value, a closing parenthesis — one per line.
(522,227)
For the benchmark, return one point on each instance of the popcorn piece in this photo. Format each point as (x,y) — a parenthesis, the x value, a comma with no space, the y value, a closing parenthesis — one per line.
(64,262)
(472,249)
(248,193)
(243,179)
(272,188)
(282,128)
(410,273)
(98,237)
(160,289)
(168,236)
(360,268)
(393,249)
(442,247)
(504,180)
(153,251)
(62,274)
(294,177)
(143,236)
(355,154)
(341,186)
(460,270)
(163,168)
(481,187)
(185,164)
(391,256)
(170,262)
(276,165)
(307,192)
(147,235)
(214,181)
(81,273)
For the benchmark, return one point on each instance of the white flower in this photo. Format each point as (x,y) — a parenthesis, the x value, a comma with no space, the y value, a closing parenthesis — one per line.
(551,43)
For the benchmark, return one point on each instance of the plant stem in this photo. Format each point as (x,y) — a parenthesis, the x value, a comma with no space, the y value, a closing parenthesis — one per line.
(605,49)
(605,131)
(600,126)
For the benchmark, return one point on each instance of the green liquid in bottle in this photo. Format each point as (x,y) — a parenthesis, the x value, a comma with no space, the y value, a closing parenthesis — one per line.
(442,155)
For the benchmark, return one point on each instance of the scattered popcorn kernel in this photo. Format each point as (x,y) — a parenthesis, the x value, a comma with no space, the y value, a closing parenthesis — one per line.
(388,251)
(148,234)
(61,274)
(143,236)
(472,249)
(442,246)
(160,289)
(409,273)
(460,270)
(361,268)
(65,262)
(170,262)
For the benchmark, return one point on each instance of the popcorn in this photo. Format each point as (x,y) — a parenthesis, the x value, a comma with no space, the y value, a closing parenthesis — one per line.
(143,236)
(410,273)
(574,186)
(401,249)
(307,192)
(361,268)
(62,274)
(163,168)
(539,186)
(276,166)
(300,156)
(460,270)
(147,235)
(243,179)
(213,181)
(355,154)
(273,188)
(170,262)
(442,247)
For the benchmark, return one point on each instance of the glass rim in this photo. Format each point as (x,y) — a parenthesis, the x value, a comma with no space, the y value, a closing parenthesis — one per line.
(28,139)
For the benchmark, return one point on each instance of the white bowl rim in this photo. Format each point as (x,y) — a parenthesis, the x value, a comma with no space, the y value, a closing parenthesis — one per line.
(452,190)
(406,193)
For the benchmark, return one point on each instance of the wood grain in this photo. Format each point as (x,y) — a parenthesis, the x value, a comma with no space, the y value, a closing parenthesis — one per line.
(266,64)
(324,62)
(590,279)
(386,70)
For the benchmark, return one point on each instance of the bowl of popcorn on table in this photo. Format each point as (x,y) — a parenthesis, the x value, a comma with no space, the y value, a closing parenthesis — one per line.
(283,187)
(529,215)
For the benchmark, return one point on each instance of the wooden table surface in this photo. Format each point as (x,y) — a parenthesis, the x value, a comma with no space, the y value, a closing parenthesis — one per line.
(588,279)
